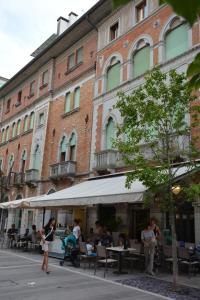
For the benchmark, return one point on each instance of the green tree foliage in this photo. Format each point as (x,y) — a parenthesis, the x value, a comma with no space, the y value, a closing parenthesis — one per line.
(156,133)
(189,10)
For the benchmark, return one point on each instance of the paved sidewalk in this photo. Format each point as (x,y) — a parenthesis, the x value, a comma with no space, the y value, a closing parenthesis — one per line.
(22,279)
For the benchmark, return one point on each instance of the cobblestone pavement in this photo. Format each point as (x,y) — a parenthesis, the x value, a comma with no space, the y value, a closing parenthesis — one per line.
(22,279)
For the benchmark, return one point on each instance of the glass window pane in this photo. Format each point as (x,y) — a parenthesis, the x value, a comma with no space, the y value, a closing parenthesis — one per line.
(113,77)
(14,130)
(110,134)
(73,140)
(41,119)
(71,61)
(79,55)
(141,61)
(67,103)
(7,134)
(177,41)
(76,97)
(18,127)
(63,146)
(32,120)
(26,123)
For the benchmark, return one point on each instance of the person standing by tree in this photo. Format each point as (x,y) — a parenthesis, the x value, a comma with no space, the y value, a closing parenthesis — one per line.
(47,235)
(149,241)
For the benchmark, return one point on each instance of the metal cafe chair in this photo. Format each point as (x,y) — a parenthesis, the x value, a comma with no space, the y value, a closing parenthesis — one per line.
(103,258)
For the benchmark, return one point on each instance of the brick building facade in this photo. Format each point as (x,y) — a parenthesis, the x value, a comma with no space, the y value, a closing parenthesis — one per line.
(57,115)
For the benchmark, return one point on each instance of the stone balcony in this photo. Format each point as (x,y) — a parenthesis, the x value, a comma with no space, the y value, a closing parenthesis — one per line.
(63,170)
(19,179)
(107,159)
(32,176)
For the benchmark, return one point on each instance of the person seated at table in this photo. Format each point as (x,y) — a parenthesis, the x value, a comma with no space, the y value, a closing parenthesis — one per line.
(121,239)
(25,239)
(98,231)
(90,248)
(106,239)
(12,235)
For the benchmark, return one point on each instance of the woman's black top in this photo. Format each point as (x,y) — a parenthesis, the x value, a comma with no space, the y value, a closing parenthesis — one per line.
(48,232)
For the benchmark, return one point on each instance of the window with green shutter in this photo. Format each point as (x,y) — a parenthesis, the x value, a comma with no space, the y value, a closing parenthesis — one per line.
(41,119)
(18,127)
(79,55)
(32,117)
(176,41)
(36,158)
(110,133)
(141,61)
(71,61)
(72,144)
(63,149)
(1,163)
(67,103)
(13,130)
(77,97)
(3,136)
(25,123)
(113,76)
(7,133)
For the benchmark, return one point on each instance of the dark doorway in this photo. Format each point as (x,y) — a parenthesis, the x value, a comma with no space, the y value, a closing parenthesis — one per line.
(138,221)
(185,223)
(107,215)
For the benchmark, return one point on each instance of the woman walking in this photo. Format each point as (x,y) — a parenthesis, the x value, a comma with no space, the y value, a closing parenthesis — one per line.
(47,237)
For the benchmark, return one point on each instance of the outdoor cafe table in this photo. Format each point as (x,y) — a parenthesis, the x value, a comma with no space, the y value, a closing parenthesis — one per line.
(119,251)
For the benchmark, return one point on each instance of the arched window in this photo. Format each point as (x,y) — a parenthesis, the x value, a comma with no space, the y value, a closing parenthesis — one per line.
(13,130)
(1,163)
(18,127)
(77,97)
(67,103)
(7,134)
(10,163)
(141,61)
(113,74)
(63,149)
(176,40)
(32,117)
(36,158)
(72,147)
(3,135)
(23,161)
(25,123)
(110,133)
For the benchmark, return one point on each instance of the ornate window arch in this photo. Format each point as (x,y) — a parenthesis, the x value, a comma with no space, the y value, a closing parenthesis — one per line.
(109,133)
(7,133)
(72,146)
(140,56)
(18,127)
(36,157)
(175,38)
(13,130)
(32,119)
(23,160)
(112,72)
(3,135)
(62,156)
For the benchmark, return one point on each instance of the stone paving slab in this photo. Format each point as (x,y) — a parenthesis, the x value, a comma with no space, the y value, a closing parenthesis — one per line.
(30,283)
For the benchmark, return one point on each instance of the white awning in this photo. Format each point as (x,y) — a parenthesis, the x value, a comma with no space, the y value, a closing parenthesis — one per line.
(96,191)
(21,203)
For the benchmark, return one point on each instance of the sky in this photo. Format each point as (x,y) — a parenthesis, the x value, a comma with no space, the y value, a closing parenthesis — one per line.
(26,24)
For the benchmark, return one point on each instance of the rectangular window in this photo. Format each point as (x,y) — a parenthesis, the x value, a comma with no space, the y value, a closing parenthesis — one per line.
(67,103)
(8,105)
(45,77)
(141,11)
(79,55)
(41,119)
(76,97)
(114,31)
(32,88)
(19,97)
(71,61)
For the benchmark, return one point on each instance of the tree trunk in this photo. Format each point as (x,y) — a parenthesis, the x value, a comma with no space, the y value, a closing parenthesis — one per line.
(174,253)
